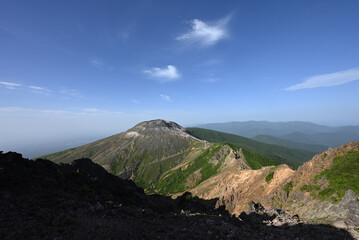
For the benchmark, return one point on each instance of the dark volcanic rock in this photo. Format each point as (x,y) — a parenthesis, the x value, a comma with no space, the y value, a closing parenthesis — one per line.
(43,200)
(271,216)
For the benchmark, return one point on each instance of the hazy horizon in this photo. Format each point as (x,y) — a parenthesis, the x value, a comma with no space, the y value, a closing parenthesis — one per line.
(33,144)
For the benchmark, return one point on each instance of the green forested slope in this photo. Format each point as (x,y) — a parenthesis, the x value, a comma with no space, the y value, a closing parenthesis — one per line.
(292,157)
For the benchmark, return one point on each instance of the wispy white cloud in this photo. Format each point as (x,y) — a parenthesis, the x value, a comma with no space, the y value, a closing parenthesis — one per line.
(83,111)
(41,90)
(65,92)
(327,80)
(38,88)
(71,93)
(135,101)
(206,33)
(35,89)
(166,97)
(168,74)
(10,85)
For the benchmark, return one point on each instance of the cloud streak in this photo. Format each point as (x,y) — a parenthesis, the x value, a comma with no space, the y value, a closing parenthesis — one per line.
(10,85)
(327,80)
(71,93)
(35,89)
(38,89)
(168,74)
(65,92)
(166,98)
(83,111)
(205,33)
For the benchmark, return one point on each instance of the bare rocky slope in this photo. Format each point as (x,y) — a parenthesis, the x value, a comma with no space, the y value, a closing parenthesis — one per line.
(43,200)
(323,190)
(236,188)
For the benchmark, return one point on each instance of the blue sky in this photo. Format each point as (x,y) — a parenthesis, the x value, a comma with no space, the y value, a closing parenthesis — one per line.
(99,67)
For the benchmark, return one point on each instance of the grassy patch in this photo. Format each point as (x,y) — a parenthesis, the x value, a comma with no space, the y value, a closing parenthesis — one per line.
(176,181)
(269,177)
(288,187)
(309,188)
(256,161)
(342,175)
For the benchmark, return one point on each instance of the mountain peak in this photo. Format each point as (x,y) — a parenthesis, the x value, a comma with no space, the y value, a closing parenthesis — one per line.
(158,123)
(158,126)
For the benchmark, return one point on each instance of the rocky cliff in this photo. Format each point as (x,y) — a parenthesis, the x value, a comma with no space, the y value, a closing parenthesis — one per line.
(323,190)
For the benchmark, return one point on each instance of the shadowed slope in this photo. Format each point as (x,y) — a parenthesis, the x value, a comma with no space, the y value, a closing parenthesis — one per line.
(42,200)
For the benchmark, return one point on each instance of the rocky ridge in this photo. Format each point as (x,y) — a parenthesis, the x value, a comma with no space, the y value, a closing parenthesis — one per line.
(307,185)
(285,188)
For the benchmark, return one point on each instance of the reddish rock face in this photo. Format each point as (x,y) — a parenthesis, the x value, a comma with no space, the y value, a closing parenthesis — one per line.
(235,188)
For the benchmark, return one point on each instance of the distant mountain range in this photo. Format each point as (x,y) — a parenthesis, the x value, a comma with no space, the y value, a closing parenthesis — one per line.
(295,132)
(289,144)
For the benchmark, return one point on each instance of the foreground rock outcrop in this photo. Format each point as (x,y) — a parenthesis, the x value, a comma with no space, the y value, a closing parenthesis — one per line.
(235,188)
(42,200)
(321,190)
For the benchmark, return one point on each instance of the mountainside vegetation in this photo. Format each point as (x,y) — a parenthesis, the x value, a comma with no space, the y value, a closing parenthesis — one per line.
(201,169)
(291,157)
(342,175)
(143,153)
(255,160)
(324,188)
